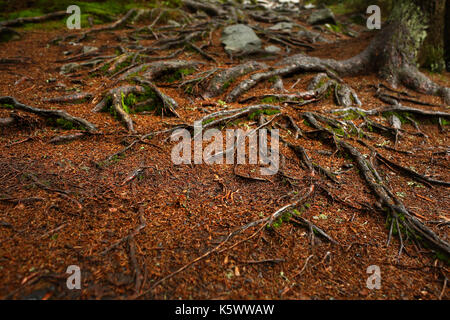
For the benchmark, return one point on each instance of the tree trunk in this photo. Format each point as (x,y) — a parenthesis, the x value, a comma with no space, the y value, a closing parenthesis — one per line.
(431,54)
(447,35)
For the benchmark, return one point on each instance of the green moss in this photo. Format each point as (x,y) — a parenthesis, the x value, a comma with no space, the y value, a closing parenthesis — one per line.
(8,106)
(124,106)
(63,124)
(269,112)
(269,100)
(339,131)
(352,115)
(285,217)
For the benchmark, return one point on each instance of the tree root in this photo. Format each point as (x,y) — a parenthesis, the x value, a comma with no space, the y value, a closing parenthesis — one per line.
(49,113)
(114,98)
(117,24)
(208,8)
(292,68)
(20,21)
(67,138)
(222,117)
(155,70)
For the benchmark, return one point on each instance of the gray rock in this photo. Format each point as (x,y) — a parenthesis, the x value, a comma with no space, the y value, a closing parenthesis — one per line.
(282,26)
(322,16)
(240,38)
(272,49)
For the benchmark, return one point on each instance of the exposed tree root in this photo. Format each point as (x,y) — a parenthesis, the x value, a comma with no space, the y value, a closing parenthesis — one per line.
(117,24)
(67,138)
(411,173)
(73,98)
(293,67)
(208,8)
(392,59)
(224,79)
(222,117)
(48,113)
(155,70)
(169,105)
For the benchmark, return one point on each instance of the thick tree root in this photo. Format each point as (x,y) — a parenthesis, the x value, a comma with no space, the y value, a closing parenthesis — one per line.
(411,173)
(155,70)
(73,98)
(393,108)
(49,113)
(20,21)
(208,8)
(223,79)
(222,117)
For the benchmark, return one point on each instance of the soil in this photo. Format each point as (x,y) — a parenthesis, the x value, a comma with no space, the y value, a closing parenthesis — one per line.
(127,235)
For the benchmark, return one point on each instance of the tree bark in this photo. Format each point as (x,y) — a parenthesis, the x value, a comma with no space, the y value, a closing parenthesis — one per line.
(431,54)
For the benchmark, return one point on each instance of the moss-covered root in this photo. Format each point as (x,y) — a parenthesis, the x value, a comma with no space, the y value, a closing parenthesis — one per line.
(49,114)
(114,100)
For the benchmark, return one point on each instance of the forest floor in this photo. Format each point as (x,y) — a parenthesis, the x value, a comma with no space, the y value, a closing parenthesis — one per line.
(62,204)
